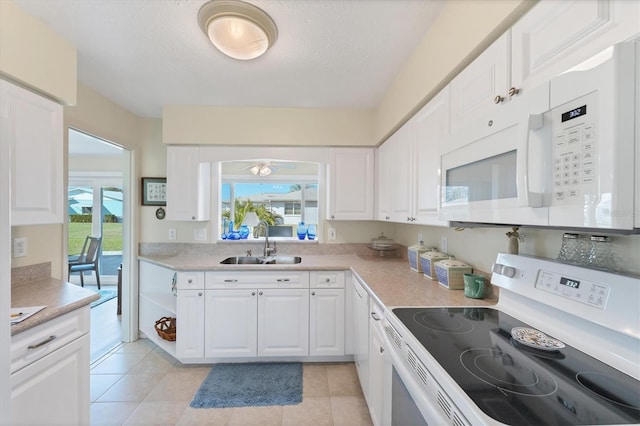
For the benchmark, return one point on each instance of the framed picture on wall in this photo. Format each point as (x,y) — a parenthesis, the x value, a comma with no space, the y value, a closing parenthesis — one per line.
(154,191)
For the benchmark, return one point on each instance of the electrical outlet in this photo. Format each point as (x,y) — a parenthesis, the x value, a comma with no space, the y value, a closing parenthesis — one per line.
(19,247)
(172,234)
(444,245)
(332,233)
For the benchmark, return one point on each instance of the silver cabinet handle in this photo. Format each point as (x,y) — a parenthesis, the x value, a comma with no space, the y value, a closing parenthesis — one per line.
(283,280)
(44,342)
(327,280)
(498,99)
(381,350)
(199,293)
(253,293)
(230,281)
(513,91)
(260,293)
(375,316)
(189,280)
(313,293)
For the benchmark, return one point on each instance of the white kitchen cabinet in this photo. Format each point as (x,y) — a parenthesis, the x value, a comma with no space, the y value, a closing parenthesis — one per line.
(555,36)
(157,299)
(361,331)
(408,165)
(230,326)
(351,180)
(190,320)
(50,372)
(256,313)
(283,322)
(327,313)
(188,185)
(380,368)
(483,86)
(431,125)
(35,131)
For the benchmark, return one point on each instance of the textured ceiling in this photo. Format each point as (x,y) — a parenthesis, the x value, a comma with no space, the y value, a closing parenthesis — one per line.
(143,54)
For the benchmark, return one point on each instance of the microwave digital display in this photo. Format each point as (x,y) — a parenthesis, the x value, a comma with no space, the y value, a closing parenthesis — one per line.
(569,282)
(574,113)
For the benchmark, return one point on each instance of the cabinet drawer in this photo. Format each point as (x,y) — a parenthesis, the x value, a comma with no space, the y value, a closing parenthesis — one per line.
(326,279)
(190,280)
(37,342)
(254,279)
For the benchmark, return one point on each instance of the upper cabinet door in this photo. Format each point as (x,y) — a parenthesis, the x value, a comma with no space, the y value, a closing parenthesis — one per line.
(483,86)
(351,182)
(188,185)
(432,127)
(555,36)
(33,126)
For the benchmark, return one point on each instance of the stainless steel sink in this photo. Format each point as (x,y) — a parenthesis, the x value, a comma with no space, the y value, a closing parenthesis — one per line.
(262,260)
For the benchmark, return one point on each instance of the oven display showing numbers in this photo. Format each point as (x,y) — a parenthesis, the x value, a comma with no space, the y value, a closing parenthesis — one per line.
(574,113)
(569,282)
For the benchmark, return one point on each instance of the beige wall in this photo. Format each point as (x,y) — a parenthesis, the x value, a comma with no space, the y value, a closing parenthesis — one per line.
(35,56)
(44,244)
(479,246)
(211,125)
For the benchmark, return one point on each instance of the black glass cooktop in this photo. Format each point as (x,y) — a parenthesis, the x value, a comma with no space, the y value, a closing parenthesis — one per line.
(516,383)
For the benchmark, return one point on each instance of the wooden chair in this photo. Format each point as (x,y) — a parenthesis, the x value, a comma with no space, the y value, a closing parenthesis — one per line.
(87,260)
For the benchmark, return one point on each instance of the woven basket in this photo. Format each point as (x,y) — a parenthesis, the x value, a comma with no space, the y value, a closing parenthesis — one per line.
(166,328)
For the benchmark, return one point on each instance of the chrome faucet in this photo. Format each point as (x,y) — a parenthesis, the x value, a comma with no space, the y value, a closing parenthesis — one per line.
(268,250)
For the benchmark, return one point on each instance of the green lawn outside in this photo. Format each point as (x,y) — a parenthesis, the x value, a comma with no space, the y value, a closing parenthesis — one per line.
(111,238)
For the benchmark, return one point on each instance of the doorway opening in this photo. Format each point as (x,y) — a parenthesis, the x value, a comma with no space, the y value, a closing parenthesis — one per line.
(96,209)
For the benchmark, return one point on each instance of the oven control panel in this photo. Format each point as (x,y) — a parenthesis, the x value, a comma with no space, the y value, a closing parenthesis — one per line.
(580,290)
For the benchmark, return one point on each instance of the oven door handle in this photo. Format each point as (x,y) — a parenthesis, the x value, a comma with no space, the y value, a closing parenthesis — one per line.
(420,395)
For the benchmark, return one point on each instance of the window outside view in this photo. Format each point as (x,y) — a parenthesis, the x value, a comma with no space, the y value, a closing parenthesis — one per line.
(281,204)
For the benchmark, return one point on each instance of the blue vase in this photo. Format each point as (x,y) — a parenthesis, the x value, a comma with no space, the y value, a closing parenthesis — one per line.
(224,229)
(302,231)
(244,232)
(311,232)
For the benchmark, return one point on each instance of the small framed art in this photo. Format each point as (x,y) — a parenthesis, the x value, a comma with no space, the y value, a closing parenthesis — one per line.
(154,191)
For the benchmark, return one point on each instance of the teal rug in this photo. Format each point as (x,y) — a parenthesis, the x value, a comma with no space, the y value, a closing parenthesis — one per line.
(105,296)
(250,384)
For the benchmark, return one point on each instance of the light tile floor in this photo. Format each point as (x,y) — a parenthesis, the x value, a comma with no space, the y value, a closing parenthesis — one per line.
(139,384)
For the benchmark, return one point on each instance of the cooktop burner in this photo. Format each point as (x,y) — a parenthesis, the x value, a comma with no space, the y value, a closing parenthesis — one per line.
(518,384)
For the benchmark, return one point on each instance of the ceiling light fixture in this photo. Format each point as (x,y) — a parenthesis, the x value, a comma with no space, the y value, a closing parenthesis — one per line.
(238,29)
(260,169)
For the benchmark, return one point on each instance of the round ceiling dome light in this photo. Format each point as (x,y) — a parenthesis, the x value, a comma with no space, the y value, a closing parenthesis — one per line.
(238,29)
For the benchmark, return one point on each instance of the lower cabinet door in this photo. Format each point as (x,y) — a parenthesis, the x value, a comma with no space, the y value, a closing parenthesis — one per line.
(230,325)
(326,316)
(283,322)
(190,324)
(55,389)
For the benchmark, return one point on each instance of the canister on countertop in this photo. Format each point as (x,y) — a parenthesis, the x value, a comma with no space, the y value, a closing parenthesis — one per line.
(413,254)
(428,262)
(451,272)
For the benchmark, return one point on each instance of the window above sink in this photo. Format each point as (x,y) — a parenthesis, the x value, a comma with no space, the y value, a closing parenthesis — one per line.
(281,193)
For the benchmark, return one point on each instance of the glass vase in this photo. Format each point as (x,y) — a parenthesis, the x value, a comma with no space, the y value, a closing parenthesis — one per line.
(302,231)
(244,232)
(311,232)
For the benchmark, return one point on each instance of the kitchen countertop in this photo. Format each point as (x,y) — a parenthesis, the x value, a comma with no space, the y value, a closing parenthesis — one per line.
(60,297)
(389,279)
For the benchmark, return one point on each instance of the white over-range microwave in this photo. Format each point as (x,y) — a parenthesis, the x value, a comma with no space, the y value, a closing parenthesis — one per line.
(564,154)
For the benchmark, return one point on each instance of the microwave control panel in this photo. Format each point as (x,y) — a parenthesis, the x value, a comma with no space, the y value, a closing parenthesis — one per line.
(577,289)
(575,145)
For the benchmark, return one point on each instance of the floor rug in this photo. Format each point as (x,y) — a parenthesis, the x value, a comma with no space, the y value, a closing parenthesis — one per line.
(250,384)
(105,296)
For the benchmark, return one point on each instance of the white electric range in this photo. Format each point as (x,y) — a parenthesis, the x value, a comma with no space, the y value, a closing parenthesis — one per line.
(562,347)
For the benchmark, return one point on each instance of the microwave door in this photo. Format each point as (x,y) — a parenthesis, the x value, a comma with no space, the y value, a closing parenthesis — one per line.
(498,171)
